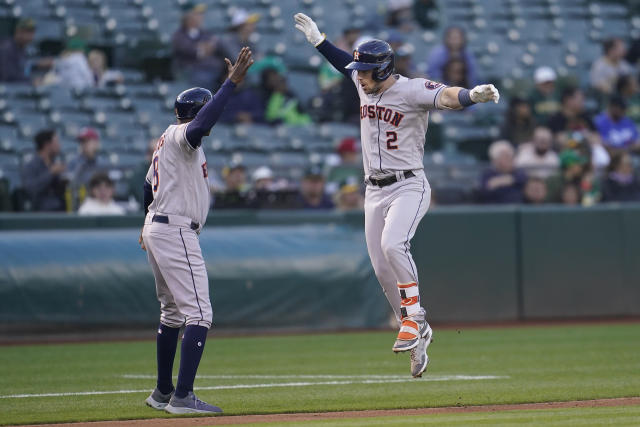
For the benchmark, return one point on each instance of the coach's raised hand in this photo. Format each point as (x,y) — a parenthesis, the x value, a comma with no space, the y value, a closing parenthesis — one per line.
(238,70)
(484,93)
(309,28)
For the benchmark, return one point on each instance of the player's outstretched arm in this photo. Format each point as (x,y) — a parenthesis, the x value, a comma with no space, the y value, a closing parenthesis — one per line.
(337,57)
(209,114)
(457,98)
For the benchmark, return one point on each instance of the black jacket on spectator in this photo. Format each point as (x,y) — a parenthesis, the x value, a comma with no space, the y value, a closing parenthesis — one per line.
(616,188)
(45,190)
(13,62)
(512,193)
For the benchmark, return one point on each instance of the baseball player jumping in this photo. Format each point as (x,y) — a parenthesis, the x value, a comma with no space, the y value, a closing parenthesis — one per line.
(177,202)
(394,115)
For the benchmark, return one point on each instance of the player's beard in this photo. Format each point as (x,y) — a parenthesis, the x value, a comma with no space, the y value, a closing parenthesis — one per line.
(373,90)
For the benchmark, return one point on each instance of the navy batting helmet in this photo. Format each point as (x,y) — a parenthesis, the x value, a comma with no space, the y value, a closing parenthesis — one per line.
(374,55)
(189,102)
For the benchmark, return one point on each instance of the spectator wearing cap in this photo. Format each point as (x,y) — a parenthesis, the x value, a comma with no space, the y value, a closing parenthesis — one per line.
(348,167)
(14,53)
(197,56)
(100,200)
(621,183)
(312,191)
(502,182)
(518,124)
(576,173)
(42,175)
(240,32)
(606,70)
(235,194)
(72,67)
(544,97)
(627,88)
(454,46)
(537,157)
(84,164)
(264,192)
(618,132)
(349,198)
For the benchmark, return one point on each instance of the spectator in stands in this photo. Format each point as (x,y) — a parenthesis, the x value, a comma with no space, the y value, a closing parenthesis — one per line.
(535,191)
(518,122)
(102,76)
(570,195)
(312,194)
(245,106)
(627,87)
(196,51)
(140,173)
(544,98)
(72,68)
(42,176)
(454,46)
(329,77)
(263,194)
(349,198)
(85,164)
(281,104)
(400,15)
(425,12)
(13,52)
(404,62)
(455,73)
(100,200)
(572,126)
(243,25)
(502,182)
(235,194)
(621,183)
(537,158)
(348,167)
(577,171)
(606,70)
(618,132)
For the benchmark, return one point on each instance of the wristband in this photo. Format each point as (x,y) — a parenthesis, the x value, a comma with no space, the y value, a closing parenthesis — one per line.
(464,97)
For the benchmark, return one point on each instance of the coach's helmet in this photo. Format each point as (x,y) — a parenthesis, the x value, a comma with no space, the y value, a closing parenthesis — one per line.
(189,102)
(374,55)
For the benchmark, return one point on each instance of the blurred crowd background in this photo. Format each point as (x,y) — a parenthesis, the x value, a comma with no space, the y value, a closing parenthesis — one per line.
(87,87)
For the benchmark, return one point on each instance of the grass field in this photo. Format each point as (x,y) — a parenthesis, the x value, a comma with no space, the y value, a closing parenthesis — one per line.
(355,371)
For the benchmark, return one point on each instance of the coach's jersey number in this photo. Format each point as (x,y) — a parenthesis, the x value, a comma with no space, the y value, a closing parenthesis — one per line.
(391,137)
(156,177)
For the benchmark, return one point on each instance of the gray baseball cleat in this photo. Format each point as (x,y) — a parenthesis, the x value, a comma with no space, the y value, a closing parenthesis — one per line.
(419,357)
(158,400)
(412,329)
(190,405)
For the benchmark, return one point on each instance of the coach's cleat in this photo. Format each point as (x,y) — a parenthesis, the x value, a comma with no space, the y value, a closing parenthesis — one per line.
(190,405)
(419,357)
(411,330)
(158,400)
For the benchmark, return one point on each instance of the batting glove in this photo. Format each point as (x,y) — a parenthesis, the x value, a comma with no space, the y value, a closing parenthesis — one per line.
(309,28)
(484,93)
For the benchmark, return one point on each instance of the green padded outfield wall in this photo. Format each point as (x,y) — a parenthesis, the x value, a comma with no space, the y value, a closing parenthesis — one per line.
(292,270)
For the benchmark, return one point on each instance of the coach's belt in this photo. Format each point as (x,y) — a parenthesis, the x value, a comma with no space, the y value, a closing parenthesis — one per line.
(383,182)
(163,219)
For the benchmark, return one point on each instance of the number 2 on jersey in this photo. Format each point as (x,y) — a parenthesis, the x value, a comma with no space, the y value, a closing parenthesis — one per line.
(391,137)
(156,177)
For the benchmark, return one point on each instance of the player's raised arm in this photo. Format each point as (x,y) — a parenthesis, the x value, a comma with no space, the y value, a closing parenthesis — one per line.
(337,57)
(456,98)
(211,111)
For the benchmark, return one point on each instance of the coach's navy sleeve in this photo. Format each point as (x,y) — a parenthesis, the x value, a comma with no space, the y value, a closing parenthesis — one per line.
(148,197)
(337,57)
(209,114)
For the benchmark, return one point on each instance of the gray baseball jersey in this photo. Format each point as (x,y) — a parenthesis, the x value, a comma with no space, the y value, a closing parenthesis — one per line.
(178,177)
(393,124)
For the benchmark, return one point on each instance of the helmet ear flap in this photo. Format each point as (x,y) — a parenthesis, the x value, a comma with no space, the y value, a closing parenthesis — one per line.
(383,71)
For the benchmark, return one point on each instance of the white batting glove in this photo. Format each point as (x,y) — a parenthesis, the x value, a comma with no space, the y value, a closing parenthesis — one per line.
(484,93)
(309,28)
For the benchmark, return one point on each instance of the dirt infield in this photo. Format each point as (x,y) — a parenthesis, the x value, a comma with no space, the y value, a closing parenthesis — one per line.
(274,418)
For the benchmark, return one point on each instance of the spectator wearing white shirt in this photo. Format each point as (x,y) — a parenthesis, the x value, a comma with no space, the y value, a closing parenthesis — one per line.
(537,158)
(101,200)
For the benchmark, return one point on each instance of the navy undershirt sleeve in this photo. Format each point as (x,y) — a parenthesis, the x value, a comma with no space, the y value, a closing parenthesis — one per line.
(337,57)
(209,114)
(148,197)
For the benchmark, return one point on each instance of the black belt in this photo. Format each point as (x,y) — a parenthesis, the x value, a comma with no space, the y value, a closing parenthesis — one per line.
(383,182)
(165,220)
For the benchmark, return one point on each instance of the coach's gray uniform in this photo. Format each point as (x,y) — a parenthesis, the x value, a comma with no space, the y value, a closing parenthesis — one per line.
(393,126)
(178,177)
